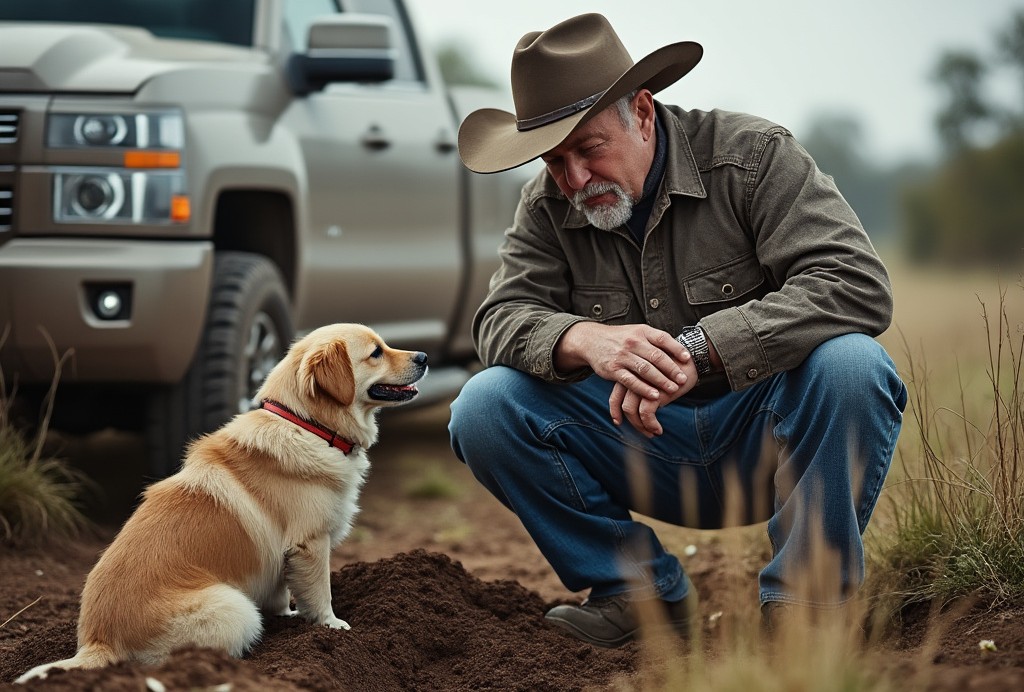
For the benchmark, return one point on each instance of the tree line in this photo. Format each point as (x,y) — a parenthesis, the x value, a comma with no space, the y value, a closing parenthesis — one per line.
(971,210)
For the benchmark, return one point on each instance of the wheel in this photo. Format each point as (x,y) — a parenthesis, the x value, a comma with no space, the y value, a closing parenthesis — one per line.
(248,329)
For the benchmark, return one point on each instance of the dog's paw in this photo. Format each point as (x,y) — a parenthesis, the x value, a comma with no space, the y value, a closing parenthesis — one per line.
(288,612)
(335,623)
(35,674)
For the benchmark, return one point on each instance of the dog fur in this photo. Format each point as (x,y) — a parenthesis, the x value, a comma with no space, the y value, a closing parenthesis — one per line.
(249,521)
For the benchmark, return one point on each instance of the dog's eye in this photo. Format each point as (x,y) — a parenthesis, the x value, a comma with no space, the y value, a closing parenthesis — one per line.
(377,352)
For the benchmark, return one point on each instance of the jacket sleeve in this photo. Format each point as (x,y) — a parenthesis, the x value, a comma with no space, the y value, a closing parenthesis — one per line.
(529,304)
(812,246)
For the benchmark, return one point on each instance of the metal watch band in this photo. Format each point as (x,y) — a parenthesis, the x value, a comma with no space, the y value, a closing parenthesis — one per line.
(697,344)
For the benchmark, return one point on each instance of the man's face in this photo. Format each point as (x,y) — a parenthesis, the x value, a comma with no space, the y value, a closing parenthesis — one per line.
(601,167)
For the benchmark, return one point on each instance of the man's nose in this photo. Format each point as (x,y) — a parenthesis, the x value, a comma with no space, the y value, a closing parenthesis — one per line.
(576,173)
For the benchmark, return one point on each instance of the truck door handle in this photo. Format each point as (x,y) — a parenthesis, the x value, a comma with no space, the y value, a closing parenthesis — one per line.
(374,139)
(444,143)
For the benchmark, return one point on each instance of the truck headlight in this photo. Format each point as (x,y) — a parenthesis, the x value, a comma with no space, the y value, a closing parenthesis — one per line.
(84,195)
(155,130)
(148,187)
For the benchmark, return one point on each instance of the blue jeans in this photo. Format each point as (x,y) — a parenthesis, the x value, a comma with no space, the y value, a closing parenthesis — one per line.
(806,450)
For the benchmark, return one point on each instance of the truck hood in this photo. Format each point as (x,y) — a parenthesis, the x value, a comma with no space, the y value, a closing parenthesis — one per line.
(93,58)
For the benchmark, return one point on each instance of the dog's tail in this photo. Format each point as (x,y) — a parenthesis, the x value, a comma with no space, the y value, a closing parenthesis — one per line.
(89,656)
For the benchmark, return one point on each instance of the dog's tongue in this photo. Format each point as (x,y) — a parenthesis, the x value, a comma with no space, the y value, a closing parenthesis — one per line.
(393,392)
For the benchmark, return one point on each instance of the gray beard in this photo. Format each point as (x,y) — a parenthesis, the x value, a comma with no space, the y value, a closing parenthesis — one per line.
(605,216)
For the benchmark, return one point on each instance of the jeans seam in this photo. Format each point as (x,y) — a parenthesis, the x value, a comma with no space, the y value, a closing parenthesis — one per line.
(779,597)
(879,479)
(659,586)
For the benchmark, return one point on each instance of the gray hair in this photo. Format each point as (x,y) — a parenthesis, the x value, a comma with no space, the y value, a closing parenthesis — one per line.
(625,112)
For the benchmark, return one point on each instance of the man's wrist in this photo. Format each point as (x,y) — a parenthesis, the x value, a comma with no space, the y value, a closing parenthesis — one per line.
(696,342)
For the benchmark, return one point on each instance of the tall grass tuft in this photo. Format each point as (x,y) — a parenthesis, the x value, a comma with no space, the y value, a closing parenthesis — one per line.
(959,513)
(38,494)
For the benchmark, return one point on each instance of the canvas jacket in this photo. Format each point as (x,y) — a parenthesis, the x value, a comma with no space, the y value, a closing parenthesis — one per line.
(747,238)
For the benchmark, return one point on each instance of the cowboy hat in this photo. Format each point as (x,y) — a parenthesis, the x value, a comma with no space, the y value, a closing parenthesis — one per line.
(561,78)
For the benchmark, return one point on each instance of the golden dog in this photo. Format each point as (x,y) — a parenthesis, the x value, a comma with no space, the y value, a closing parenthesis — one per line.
(249,521)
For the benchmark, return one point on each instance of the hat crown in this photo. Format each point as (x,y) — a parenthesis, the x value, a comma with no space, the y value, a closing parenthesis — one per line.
(565,65)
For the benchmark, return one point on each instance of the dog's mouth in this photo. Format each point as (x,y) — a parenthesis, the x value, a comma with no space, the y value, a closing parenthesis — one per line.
(393,392)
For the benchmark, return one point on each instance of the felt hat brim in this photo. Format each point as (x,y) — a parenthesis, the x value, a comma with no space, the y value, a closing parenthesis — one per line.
(490,141)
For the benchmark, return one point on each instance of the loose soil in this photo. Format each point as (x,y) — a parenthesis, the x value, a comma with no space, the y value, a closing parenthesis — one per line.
(444,591)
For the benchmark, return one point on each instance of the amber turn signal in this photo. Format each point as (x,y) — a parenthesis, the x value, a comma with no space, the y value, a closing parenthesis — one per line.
(181,208)
(152,159)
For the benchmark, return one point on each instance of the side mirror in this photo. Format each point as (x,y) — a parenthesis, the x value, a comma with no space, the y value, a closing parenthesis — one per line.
(346,47)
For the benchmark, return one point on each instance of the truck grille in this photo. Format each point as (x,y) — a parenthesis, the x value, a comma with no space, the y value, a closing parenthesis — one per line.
(6,209)
(8,127)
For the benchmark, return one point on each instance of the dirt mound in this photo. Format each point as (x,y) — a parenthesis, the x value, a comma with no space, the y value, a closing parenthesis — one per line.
(419,621)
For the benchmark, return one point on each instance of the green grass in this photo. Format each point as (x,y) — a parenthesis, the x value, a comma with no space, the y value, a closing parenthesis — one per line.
(432,482)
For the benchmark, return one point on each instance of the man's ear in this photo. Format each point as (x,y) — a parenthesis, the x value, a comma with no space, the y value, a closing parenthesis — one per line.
(328,369)
(643,109)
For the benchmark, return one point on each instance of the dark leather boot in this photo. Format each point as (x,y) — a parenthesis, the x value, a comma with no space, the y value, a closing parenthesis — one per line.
(614,620)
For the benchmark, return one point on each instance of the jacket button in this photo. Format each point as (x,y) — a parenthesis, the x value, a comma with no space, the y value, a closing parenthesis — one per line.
(655,303)
(597,310)
(727,289)
(752,373)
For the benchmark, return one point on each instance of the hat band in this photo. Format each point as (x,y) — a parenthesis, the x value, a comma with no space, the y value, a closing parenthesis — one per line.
(563,112)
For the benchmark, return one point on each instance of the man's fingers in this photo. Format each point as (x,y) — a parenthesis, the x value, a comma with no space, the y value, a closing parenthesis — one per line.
(631,408)
(667,343)
(641,414)
(638,386)
(648,420)
(661,370)
(615,402)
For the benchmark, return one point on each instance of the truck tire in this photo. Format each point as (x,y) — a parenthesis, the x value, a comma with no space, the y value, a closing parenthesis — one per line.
(248,329)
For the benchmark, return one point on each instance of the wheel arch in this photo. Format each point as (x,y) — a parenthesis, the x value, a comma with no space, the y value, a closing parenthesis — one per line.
(262,222)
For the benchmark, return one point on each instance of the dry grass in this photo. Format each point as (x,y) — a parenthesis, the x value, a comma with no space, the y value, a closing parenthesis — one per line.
(956,515)
(39,496)
(951,520)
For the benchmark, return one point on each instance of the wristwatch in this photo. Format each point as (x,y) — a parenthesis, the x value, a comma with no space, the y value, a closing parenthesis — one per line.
(697,344)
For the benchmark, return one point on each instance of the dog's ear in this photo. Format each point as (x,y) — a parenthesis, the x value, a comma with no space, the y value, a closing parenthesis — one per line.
(328,369)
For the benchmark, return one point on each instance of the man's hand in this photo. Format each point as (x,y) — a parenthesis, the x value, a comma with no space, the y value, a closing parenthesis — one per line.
(648,366)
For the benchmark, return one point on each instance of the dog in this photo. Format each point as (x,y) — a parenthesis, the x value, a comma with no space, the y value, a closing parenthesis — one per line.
(249,521)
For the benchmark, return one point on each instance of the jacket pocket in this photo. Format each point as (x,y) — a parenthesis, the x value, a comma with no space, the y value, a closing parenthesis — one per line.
(726,283)
(600,304)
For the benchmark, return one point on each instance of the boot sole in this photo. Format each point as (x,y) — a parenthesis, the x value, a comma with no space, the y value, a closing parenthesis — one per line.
(681,629)
(575,631)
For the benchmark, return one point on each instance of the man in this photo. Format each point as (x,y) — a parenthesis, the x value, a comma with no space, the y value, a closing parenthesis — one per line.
(681,326)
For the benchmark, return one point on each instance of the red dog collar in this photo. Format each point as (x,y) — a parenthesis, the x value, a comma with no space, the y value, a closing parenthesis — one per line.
(333,439)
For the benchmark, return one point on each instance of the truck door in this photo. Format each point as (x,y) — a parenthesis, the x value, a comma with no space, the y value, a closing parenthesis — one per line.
(382,244)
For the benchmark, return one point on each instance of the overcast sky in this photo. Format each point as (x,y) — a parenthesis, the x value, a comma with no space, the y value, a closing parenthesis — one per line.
(785,60)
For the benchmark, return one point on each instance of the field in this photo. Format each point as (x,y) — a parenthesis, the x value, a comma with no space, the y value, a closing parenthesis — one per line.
(444,591)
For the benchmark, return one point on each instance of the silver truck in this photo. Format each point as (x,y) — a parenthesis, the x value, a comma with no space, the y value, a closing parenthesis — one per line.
(187,184)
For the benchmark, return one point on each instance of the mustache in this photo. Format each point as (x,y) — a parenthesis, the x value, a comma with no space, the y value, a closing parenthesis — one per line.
(595,189)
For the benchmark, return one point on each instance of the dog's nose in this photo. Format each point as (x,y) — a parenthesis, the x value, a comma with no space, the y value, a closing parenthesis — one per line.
(420,358)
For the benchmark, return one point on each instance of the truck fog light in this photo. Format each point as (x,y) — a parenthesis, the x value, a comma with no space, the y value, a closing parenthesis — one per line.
(109,301)
(109,305)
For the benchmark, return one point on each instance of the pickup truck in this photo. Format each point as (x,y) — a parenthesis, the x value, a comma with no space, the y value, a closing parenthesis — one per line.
(186,185)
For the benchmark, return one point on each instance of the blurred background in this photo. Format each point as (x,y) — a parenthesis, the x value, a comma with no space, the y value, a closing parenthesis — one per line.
(916,107)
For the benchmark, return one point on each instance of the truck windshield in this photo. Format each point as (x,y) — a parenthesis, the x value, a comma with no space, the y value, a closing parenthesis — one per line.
(222,21)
